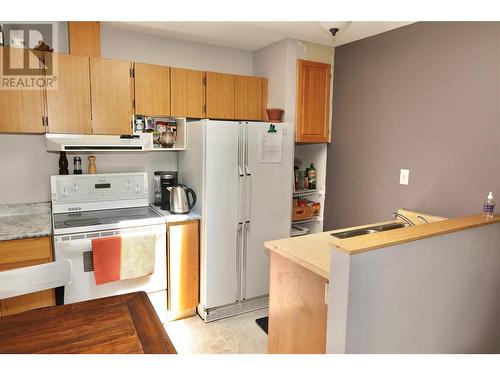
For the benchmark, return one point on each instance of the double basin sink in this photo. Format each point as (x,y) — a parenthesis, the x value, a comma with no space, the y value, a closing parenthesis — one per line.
(362,231)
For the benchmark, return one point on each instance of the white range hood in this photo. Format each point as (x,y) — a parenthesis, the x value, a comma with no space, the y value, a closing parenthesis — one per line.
(98,143)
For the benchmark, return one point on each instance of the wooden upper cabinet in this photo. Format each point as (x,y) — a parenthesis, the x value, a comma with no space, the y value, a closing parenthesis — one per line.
(248,98)
(187,93)
(313,102)
(84,38)
(68,106)
(111,93)
(21,111)
(152,90)
(220,96)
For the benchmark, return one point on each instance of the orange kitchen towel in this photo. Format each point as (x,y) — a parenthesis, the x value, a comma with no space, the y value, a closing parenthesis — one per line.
(106,253)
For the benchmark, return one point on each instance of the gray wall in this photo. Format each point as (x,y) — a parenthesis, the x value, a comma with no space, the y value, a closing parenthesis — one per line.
(434,295)
(423,97)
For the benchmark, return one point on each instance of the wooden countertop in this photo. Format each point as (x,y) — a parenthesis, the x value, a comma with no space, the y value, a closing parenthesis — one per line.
(123,324)
(313,251)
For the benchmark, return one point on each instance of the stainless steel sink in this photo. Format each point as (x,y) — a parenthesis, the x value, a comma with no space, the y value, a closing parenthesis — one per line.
(361,232)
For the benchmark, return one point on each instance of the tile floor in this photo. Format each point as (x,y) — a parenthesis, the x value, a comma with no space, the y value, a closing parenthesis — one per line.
(236,335)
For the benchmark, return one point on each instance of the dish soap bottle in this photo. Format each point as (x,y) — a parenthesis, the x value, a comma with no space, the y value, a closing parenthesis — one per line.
(489,206)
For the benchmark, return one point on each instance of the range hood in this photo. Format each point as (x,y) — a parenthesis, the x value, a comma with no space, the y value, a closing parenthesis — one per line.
(98,143)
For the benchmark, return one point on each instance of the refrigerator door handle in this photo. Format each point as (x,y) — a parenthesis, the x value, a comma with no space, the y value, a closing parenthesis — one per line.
(240,151)
(247,169)
(239,237)
(244,261)
(248,195)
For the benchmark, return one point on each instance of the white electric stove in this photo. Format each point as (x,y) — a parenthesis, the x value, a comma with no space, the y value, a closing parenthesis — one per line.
(105,205)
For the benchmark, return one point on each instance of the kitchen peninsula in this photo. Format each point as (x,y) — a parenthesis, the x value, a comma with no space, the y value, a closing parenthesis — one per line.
(386,292)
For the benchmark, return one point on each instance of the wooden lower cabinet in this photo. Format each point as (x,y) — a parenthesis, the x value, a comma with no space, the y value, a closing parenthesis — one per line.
(183,250)
(297,309)
(25,253)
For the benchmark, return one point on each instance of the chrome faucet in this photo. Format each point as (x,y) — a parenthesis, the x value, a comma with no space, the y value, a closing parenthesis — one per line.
(423,219)
(403,217)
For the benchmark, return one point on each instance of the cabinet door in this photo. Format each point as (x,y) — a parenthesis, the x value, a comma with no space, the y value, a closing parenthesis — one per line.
(220,96)
(25,253)
(84,38)
(111,93)
(313,102)
(183,265)
(68,106)
(21,111)
(187,93)
(248,98)
(152,90)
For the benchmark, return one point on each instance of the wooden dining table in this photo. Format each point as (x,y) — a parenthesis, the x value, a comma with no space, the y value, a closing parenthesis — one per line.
(123,324)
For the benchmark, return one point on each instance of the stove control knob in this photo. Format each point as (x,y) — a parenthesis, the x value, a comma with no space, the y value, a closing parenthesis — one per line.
(75,187)
(128,185)
(137,189)
(65,192)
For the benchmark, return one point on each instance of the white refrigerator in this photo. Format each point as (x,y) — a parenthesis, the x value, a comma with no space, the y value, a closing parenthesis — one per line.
(243,177)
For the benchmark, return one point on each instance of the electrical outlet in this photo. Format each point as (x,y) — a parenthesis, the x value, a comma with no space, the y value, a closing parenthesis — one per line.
(404,176)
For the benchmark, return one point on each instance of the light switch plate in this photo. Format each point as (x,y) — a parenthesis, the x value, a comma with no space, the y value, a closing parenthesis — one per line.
(404,176)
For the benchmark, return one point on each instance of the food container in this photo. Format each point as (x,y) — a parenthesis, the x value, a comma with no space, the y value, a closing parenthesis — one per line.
(301,213)
(274,114)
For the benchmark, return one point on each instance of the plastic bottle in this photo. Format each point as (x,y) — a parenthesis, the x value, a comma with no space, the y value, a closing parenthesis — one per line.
(489,206)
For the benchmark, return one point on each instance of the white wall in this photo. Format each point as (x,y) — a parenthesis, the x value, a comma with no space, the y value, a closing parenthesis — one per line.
(127,45)
(436,295)
(25,167)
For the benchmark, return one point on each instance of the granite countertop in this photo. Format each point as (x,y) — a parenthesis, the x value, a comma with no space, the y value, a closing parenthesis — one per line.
(175,218)
(25,220)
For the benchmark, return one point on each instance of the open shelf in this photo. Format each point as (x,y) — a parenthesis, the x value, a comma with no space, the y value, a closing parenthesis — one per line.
(307,192)
(310,220)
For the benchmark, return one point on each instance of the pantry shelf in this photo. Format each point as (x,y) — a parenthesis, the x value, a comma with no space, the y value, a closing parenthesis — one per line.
(310,220)
(307,192)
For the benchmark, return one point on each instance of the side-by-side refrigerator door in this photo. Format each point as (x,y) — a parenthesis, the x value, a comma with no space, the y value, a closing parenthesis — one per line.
(222,195)
(269,194)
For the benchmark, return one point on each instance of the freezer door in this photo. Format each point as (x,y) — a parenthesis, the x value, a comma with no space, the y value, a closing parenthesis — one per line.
(223,221)
(269,192)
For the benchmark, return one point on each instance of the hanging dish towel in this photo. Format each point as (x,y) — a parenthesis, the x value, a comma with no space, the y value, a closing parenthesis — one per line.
(106,253)
(138,256)
(122,258)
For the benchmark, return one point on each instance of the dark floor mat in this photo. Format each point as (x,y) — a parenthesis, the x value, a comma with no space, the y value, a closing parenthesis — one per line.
(263,323)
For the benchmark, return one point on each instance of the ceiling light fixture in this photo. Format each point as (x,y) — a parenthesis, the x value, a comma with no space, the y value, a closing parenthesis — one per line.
(333,27)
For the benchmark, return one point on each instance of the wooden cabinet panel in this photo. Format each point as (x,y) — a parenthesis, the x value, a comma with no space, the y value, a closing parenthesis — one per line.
(84,38)
(248,98)
(111,93)
(187,93)
(313,102)
(183,265)
(297,309)
(220,96)
(24,253)
(21,110)
(152,90)
(68,107)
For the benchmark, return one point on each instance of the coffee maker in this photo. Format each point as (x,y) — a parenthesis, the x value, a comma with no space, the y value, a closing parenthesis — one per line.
(167,180)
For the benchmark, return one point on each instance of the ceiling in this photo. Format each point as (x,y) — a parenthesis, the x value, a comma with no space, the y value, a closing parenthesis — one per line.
(251,36)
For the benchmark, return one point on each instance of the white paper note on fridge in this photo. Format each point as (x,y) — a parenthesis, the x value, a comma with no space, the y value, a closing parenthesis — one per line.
(271,146)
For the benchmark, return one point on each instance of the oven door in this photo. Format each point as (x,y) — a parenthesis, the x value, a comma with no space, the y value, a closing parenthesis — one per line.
(77,248)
